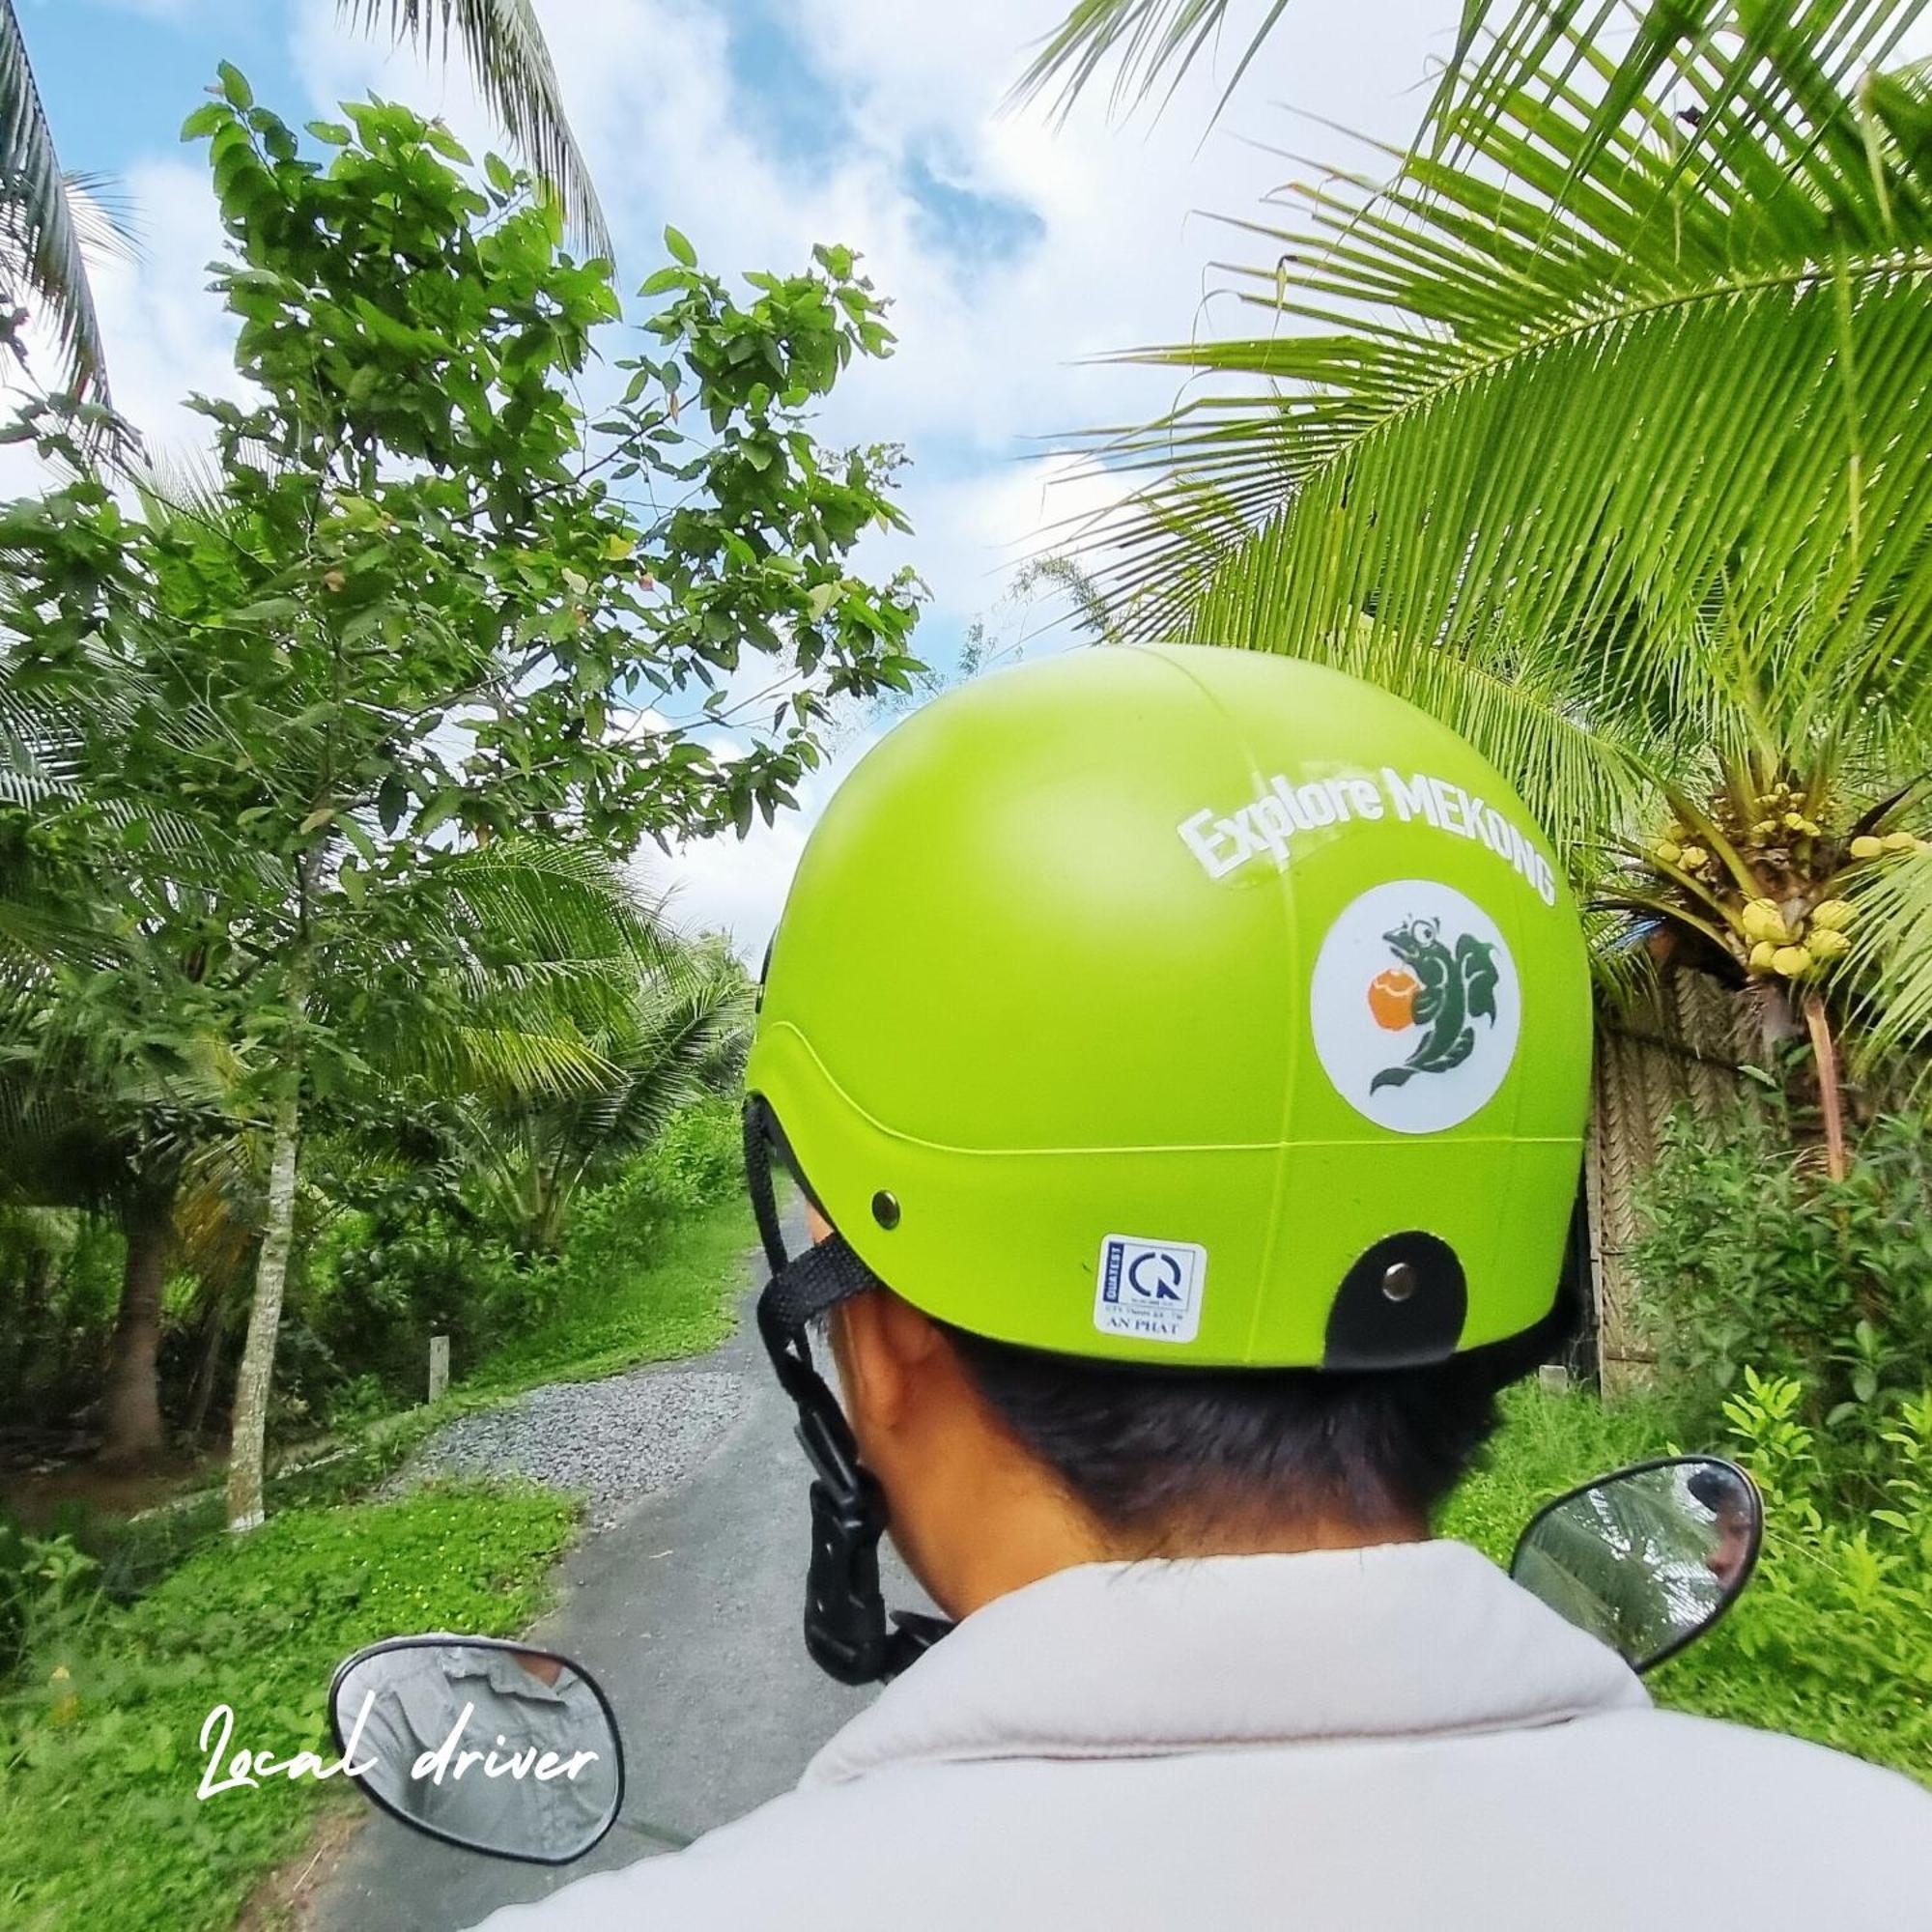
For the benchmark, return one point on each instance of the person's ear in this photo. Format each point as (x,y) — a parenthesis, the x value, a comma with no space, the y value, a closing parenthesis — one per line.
(887,1352)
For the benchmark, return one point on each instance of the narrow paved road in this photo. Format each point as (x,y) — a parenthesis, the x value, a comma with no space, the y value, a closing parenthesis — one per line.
(687,1613)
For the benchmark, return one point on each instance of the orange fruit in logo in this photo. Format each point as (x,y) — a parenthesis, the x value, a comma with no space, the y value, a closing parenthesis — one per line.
(1392,998)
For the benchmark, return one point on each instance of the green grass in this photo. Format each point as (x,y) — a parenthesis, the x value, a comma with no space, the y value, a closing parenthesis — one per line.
(674,1307)
(682,1301)
(101,1824)
(1814,1646)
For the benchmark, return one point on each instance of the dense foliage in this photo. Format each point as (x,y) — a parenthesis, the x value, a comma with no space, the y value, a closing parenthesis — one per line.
(1833,1640)
(1751,1259)
(319,761)
(381,1282)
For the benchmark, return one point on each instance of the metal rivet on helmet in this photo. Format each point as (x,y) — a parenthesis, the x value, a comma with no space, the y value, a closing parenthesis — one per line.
(1399,1282)
(1403,1304)
(886,1209)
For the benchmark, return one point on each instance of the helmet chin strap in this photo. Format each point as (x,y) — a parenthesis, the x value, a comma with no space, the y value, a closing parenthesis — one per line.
(846,1628)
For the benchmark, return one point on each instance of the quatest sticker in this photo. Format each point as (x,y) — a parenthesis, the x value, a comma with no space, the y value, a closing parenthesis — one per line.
(1149,1290)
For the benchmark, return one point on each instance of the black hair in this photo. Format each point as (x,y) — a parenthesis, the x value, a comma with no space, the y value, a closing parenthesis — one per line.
(1717,1491)
(1153,1450)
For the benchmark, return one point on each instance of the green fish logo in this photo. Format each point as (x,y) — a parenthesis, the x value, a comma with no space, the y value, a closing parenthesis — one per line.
(1444,992)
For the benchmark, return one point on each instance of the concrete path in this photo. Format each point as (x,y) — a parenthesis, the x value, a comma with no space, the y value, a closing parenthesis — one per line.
(687,1613)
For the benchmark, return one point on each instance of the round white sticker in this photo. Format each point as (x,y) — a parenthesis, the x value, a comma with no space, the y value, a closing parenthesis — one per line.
(1416,1007)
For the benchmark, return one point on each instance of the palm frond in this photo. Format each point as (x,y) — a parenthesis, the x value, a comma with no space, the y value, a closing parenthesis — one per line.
(1151,39)
(538,949)
(1579,383)
(41,243)
(1892,969)
(104,216)
(502,43)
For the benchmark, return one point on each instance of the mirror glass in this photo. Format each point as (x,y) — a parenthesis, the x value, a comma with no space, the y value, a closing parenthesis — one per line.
(1649,1558)
(490,1745)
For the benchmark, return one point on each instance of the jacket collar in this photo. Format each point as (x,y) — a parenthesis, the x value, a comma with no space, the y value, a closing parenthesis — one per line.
(1135,1659)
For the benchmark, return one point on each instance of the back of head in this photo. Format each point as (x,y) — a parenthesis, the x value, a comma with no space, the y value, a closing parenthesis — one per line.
(1202,1038)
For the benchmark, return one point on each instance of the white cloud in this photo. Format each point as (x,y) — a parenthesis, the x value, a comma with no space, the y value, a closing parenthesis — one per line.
(991,346)
(990,353)
(167,335)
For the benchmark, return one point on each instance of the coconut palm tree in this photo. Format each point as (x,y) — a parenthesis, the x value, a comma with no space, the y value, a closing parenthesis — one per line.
(493,974)
(682,1033)
(43,226)
(1601,427)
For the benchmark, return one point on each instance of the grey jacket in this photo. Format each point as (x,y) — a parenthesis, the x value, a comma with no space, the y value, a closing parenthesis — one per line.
(1392,1738)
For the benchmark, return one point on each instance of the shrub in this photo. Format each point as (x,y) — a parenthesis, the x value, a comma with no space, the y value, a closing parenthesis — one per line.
(60,1285)
(701,1149)
(1751,1257)
(48,1587)
(379,1285)
(1833,1640)
(382,1280)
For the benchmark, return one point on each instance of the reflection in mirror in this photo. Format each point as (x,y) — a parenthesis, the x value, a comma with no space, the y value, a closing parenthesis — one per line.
(490,1745)
(1649,1558)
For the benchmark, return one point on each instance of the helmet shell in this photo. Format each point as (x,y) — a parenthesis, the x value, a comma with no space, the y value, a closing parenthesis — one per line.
(1186,1005)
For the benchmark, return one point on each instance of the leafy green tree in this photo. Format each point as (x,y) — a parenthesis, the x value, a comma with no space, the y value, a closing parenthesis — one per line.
(45,225)
(413,604)
(1599,430)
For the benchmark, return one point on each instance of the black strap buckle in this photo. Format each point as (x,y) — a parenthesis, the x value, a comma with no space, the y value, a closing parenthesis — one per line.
(847,1629)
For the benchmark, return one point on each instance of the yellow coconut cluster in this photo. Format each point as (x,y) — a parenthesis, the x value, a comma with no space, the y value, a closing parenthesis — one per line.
(1782,939)
(1792,947)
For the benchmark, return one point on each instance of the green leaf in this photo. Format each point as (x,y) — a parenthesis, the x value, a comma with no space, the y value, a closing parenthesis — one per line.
(680,249)
(391,802)
(234,86)
(204,121)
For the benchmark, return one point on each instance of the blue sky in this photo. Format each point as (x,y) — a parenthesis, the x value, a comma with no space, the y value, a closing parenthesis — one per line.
(1016,250)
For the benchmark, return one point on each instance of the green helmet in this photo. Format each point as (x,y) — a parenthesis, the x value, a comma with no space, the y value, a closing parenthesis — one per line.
(1185,1006)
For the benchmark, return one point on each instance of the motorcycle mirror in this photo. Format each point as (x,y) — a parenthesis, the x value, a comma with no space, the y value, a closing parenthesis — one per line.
(1647,1558)
(493,1747)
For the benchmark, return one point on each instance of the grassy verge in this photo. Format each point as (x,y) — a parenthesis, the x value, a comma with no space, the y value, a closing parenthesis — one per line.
(99,1821)
(682,1302)
(1804,1650)
(672,1308)
(102,1825)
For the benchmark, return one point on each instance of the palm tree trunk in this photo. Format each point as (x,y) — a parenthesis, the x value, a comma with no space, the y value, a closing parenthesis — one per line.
(214,1332)
(1830,1091)
(252,1382)
(132,1405)
(1777,1023)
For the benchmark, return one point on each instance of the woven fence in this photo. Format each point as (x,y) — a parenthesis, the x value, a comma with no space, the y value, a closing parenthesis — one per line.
(1687,1050)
